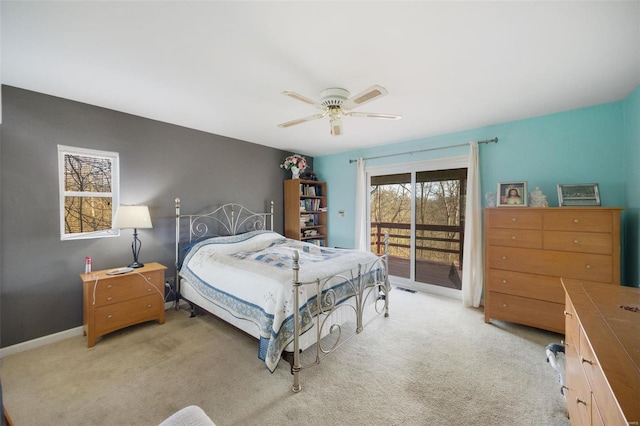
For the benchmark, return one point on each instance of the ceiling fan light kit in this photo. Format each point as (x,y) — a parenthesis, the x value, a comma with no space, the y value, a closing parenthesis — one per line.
(336,103)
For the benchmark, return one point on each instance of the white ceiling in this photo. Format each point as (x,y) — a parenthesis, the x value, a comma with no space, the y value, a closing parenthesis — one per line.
(221,66)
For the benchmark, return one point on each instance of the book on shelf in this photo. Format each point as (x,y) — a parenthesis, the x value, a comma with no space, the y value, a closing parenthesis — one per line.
(310,204)
(308,219)
(310,190)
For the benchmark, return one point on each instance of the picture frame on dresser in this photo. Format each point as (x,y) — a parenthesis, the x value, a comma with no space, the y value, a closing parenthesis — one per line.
(582,194)
(512,194)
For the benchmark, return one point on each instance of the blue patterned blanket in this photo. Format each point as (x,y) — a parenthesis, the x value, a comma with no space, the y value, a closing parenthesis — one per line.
(250,276)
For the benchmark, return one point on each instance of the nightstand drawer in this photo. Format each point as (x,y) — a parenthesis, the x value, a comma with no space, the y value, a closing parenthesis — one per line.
(113,317)
(128,286)
(112,302)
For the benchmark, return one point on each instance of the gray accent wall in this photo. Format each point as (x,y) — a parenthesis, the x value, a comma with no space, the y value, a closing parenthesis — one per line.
(40,287)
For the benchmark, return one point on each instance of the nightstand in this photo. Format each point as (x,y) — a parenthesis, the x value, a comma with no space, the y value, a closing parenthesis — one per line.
(112,302)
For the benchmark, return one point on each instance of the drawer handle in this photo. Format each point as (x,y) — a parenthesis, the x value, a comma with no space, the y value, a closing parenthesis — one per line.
(504,305)
(568,313)
(588,266)
(149,305)
(504,281)
(513,237)
(576,242)
(504,257)
(514,219)
(109,316)
(576,221)
(109,286)
(579,401)
(109,299)
(582,359)
(148,290)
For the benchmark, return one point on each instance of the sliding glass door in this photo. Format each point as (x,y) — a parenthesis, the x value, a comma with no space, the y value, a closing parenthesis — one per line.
(423,213)
(439,227)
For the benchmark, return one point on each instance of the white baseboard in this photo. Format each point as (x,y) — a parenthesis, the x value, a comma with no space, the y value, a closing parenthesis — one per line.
(56,337)
(41,341)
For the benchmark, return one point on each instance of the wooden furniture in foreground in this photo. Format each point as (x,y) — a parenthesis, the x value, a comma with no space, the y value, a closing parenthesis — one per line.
(7,418)
(305,211)
(527,250)
(112,302)
(602,351)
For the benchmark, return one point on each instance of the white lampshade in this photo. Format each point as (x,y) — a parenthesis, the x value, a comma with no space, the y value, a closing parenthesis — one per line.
(128,217)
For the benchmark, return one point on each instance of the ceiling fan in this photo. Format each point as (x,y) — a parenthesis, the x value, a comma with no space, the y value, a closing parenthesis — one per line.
(336,103)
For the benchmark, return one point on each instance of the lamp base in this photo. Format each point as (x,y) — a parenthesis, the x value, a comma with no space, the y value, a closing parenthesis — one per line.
(136,264)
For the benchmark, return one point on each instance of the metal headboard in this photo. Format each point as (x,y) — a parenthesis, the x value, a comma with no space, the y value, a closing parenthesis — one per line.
(228,219)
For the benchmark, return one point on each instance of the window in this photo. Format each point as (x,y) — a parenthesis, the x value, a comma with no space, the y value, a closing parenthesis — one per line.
(89,187)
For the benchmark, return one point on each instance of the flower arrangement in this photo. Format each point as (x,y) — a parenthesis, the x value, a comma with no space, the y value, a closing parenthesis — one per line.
(294,161)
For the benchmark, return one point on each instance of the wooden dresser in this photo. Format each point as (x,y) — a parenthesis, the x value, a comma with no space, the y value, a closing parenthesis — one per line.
(602,349)
(112,302)
(528,250)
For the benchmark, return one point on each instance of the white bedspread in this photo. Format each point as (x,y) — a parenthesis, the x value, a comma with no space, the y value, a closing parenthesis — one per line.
(250,275)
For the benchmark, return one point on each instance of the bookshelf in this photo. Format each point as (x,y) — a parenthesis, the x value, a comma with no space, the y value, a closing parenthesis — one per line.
(305,211)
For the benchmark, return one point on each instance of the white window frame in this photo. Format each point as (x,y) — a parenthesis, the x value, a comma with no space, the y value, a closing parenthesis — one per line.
(115,188)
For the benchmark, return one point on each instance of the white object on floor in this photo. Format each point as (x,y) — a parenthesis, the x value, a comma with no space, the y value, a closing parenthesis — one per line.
(188,416)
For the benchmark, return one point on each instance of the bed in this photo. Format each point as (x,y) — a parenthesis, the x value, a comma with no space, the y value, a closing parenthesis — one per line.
(290,295)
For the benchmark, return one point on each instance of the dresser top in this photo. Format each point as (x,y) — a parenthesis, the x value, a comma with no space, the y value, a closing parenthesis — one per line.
(614,334)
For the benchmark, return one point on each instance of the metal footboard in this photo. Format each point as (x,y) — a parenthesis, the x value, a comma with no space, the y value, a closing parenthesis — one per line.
(368,284)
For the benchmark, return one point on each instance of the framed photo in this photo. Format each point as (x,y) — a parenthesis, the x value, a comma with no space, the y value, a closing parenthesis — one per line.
(513,194)
(582,194)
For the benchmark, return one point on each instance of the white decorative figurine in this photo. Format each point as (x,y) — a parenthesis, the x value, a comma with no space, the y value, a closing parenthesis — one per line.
(538,199)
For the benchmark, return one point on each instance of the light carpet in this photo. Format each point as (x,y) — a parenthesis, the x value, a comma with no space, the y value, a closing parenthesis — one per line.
(432,362)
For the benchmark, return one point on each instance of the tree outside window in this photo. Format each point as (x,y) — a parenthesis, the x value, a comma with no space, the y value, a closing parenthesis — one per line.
(88,192)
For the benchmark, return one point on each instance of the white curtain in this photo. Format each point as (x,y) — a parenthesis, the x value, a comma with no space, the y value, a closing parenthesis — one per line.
(472,264)
(361,207)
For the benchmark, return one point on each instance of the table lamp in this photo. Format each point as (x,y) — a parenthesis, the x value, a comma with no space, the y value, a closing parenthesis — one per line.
(133,217)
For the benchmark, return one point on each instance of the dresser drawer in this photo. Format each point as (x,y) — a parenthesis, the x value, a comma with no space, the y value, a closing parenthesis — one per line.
(578,392)
(513,218)
(128,286)
(578,220)
(541,287)
(590,267)
(523,310)
(606,402)
(583,242)
(116,316)
(571,327)
(527,238)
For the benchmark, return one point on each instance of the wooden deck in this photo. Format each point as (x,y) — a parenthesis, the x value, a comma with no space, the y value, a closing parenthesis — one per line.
(441,274)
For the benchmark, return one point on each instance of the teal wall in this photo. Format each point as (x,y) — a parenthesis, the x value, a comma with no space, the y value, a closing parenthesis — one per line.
(588,145)
(631,119)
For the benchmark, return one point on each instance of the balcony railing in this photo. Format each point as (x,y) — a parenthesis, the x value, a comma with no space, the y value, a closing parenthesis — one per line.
(430,239)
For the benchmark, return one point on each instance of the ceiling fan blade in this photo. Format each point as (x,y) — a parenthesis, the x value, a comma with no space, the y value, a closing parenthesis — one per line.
(304,99)
(372,93)
(373,115)
(336,127)
(302,120)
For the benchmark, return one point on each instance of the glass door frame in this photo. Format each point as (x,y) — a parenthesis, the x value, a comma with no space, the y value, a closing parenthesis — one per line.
(445,163)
